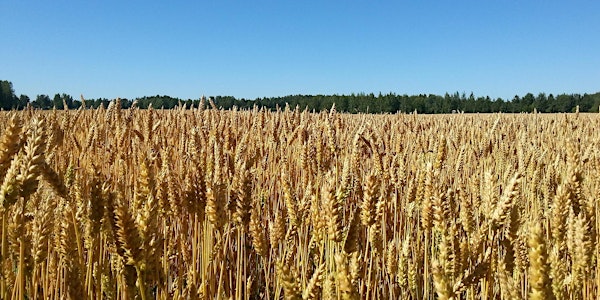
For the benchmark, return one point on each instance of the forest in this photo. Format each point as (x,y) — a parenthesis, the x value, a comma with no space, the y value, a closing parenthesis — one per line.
(353,103)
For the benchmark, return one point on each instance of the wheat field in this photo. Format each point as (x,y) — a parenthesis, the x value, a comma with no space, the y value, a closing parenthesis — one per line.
(211,204)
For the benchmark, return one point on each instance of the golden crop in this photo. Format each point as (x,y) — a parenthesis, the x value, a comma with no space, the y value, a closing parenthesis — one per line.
(213,204)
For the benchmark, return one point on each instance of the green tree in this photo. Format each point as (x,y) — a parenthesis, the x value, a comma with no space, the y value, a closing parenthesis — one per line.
(515,106)
(22,102)
(57,101)
(541,103)
(564,103)
(551,106)
(43,102)
(527,102)
(69,100)
(8,100)
(587,103)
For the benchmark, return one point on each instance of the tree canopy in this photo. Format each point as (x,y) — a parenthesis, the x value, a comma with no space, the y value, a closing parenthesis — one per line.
(353,103)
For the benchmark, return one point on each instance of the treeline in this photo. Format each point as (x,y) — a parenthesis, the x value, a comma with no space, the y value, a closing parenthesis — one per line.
(353,103)
(429,104)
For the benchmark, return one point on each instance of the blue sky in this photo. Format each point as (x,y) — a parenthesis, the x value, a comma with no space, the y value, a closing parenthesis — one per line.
(274,48)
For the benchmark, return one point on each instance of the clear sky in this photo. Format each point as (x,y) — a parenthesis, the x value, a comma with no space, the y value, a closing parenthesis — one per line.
(262,48)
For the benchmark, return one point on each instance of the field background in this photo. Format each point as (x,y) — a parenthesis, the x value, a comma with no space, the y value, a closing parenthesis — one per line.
(256,204)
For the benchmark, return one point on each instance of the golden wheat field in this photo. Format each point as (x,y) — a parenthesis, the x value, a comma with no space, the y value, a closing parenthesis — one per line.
(213,204)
